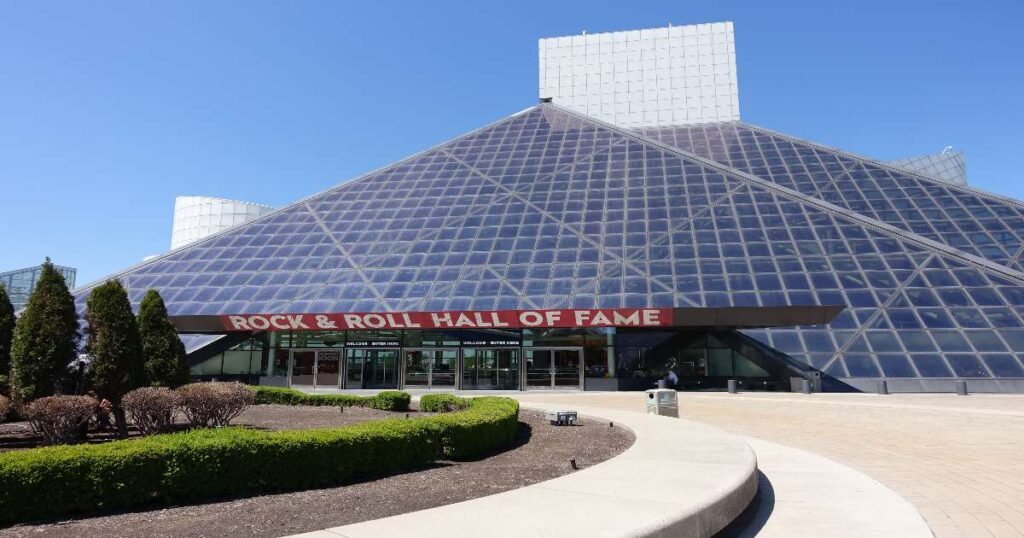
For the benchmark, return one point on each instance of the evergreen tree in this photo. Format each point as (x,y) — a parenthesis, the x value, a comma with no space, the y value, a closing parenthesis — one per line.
(6,334)
(117,363)
(161,347)
(45,338)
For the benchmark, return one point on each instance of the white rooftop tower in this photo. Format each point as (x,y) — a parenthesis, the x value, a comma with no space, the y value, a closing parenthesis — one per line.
(196,217)
(645,78)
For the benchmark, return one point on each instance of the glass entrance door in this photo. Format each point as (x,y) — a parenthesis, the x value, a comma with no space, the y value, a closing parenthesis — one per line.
(554,367)
(496,369)
(328,368)
(371,368)
(417,367)
(538,368)
(429,368)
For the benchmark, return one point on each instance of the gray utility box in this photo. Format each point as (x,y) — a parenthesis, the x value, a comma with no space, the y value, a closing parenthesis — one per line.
(663,402)
(560,418)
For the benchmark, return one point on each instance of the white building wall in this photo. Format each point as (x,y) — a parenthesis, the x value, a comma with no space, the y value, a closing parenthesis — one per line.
(643,78)
(196,217)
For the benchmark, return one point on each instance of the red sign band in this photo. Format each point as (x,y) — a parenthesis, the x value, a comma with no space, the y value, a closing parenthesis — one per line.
(472,319)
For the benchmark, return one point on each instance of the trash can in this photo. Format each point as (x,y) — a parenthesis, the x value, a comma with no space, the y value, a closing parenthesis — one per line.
(662,402)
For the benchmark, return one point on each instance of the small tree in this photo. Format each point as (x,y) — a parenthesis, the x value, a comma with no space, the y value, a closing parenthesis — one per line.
(161,347)
(6,334)
(117,364)
(45,338)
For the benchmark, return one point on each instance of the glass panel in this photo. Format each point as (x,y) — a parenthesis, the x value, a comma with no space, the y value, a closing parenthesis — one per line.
(720,362)
(239,362)
(567,368)
(967,366)
(469,369)
(490,368)
(1003,365)
(328,367)
(355,358)
(280,365)
(417,368)
(380,369)
(210,366)
(538,368)
(303,363)
(744,367)
(931,366)
(442,373)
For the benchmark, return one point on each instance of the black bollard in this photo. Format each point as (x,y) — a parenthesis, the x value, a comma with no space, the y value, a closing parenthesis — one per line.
(732,386)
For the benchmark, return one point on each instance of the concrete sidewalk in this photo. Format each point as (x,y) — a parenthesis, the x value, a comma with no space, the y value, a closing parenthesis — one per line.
(959,460)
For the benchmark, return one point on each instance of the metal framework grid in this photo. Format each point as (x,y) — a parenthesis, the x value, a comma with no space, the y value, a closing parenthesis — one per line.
(551,209)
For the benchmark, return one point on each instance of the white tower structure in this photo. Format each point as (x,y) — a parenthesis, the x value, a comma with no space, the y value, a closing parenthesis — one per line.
(645,78)
(196,217)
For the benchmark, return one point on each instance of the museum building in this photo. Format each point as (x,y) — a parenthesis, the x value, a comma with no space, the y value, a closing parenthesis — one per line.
(553,250)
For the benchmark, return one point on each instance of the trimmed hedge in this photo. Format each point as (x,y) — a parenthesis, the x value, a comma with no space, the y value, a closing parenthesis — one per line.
(489,422)
(387,400)
(230,462)
(442,403)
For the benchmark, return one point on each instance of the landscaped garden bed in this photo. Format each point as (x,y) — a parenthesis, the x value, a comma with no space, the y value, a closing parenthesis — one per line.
(207,463)
(282,409)
(539,452)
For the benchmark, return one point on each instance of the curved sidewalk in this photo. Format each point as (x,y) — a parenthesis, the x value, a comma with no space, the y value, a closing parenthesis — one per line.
(680,478)
(805,495)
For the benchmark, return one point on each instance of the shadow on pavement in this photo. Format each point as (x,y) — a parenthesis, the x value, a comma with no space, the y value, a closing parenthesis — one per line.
(753,518)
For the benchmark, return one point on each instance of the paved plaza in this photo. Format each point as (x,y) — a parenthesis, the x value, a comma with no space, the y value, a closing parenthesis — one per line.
(958,459)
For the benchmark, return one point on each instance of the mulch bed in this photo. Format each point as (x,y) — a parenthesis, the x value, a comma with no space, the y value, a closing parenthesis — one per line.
(540,453)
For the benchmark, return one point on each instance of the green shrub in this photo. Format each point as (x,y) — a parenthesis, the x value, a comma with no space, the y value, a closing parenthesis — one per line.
(388,400)
(231,462)
(391,400)
(203,464)
(489,423)
(442,403)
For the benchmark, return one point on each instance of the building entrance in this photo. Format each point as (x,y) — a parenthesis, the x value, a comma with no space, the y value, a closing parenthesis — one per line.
(490,369)
(430,368)
(554,367)
(319,368)
(371,368)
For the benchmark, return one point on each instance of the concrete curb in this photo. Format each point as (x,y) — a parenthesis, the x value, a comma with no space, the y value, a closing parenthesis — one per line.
(680,478)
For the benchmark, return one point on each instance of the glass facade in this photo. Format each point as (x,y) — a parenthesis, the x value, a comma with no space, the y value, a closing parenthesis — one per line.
(492,360)
(971,221)
(21,282)
(550,209)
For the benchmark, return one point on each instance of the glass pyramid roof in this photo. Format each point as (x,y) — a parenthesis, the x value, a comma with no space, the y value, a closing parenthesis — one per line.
(550,209)
(978,223)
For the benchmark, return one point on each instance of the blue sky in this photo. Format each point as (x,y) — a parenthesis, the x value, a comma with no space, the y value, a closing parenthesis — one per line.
(110,109)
